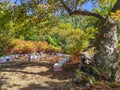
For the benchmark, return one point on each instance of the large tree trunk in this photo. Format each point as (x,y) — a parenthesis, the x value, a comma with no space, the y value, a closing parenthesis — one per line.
(106,56)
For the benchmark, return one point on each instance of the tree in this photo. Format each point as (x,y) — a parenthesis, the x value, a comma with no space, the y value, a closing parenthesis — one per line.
(5,21)
(106,43)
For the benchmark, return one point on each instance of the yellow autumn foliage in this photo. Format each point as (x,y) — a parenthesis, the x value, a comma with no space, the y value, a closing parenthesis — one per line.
(116,15)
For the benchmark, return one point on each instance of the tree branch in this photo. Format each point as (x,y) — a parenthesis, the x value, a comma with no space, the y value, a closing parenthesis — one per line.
(87,13)
(116,6)
(65,6)
(81,12)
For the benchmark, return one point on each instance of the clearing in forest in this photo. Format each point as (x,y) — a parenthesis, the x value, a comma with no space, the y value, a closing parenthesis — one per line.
(35,75)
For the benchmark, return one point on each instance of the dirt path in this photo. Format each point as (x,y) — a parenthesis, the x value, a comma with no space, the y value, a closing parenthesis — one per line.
(35,75)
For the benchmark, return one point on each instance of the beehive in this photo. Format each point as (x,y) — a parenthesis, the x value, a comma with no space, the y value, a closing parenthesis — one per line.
(57,67)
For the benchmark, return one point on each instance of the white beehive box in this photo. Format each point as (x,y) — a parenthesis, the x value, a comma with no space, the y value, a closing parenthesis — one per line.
(35,57)
(63,61)
(30,57)
(67,56)
(0,59)
(57,67)
(3,59)
(59,54)
(12,56)
(7,58)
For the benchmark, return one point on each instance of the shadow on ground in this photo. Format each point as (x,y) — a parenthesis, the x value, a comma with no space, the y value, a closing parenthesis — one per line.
(48,86)
(3,81)
(19,66)
(57,80)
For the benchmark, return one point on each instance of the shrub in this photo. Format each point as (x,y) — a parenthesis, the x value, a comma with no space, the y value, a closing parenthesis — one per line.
(17,46)
(28,47)
(41,46)
(76,41)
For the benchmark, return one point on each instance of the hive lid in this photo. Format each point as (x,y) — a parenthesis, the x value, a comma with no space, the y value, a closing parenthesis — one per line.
(57,64)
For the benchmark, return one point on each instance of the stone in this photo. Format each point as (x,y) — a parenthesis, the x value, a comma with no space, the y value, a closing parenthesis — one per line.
(85,58)
(117,77)
(88,85)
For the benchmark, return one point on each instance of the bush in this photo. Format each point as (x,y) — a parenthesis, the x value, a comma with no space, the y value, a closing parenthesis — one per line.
(13,47)
(29,47)
(17,46)
(77,41)
(52,48)
(41,46)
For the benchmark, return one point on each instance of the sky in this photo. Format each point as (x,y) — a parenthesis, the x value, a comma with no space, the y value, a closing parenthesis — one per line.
(18,1)
(87,6)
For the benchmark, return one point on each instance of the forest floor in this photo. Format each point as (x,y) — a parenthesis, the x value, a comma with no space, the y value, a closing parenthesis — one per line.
(34,75)
(39,75)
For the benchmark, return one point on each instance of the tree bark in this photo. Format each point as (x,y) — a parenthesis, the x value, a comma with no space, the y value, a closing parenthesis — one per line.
(116,6)
(107,54)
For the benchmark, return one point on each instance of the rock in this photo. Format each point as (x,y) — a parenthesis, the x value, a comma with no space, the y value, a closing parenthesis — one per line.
(44,85)
(117,79)
(91,82)
(88,85)
(85,58)
(115,65)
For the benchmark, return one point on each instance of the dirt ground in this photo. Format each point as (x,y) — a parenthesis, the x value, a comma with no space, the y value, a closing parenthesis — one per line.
(34,75)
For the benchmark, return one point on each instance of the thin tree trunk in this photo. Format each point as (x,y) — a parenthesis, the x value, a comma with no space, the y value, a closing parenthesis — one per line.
(106,56)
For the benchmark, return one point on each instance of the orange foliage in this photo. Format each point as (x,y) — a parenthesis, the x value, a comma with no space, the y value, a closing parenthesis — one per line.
(17,46)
